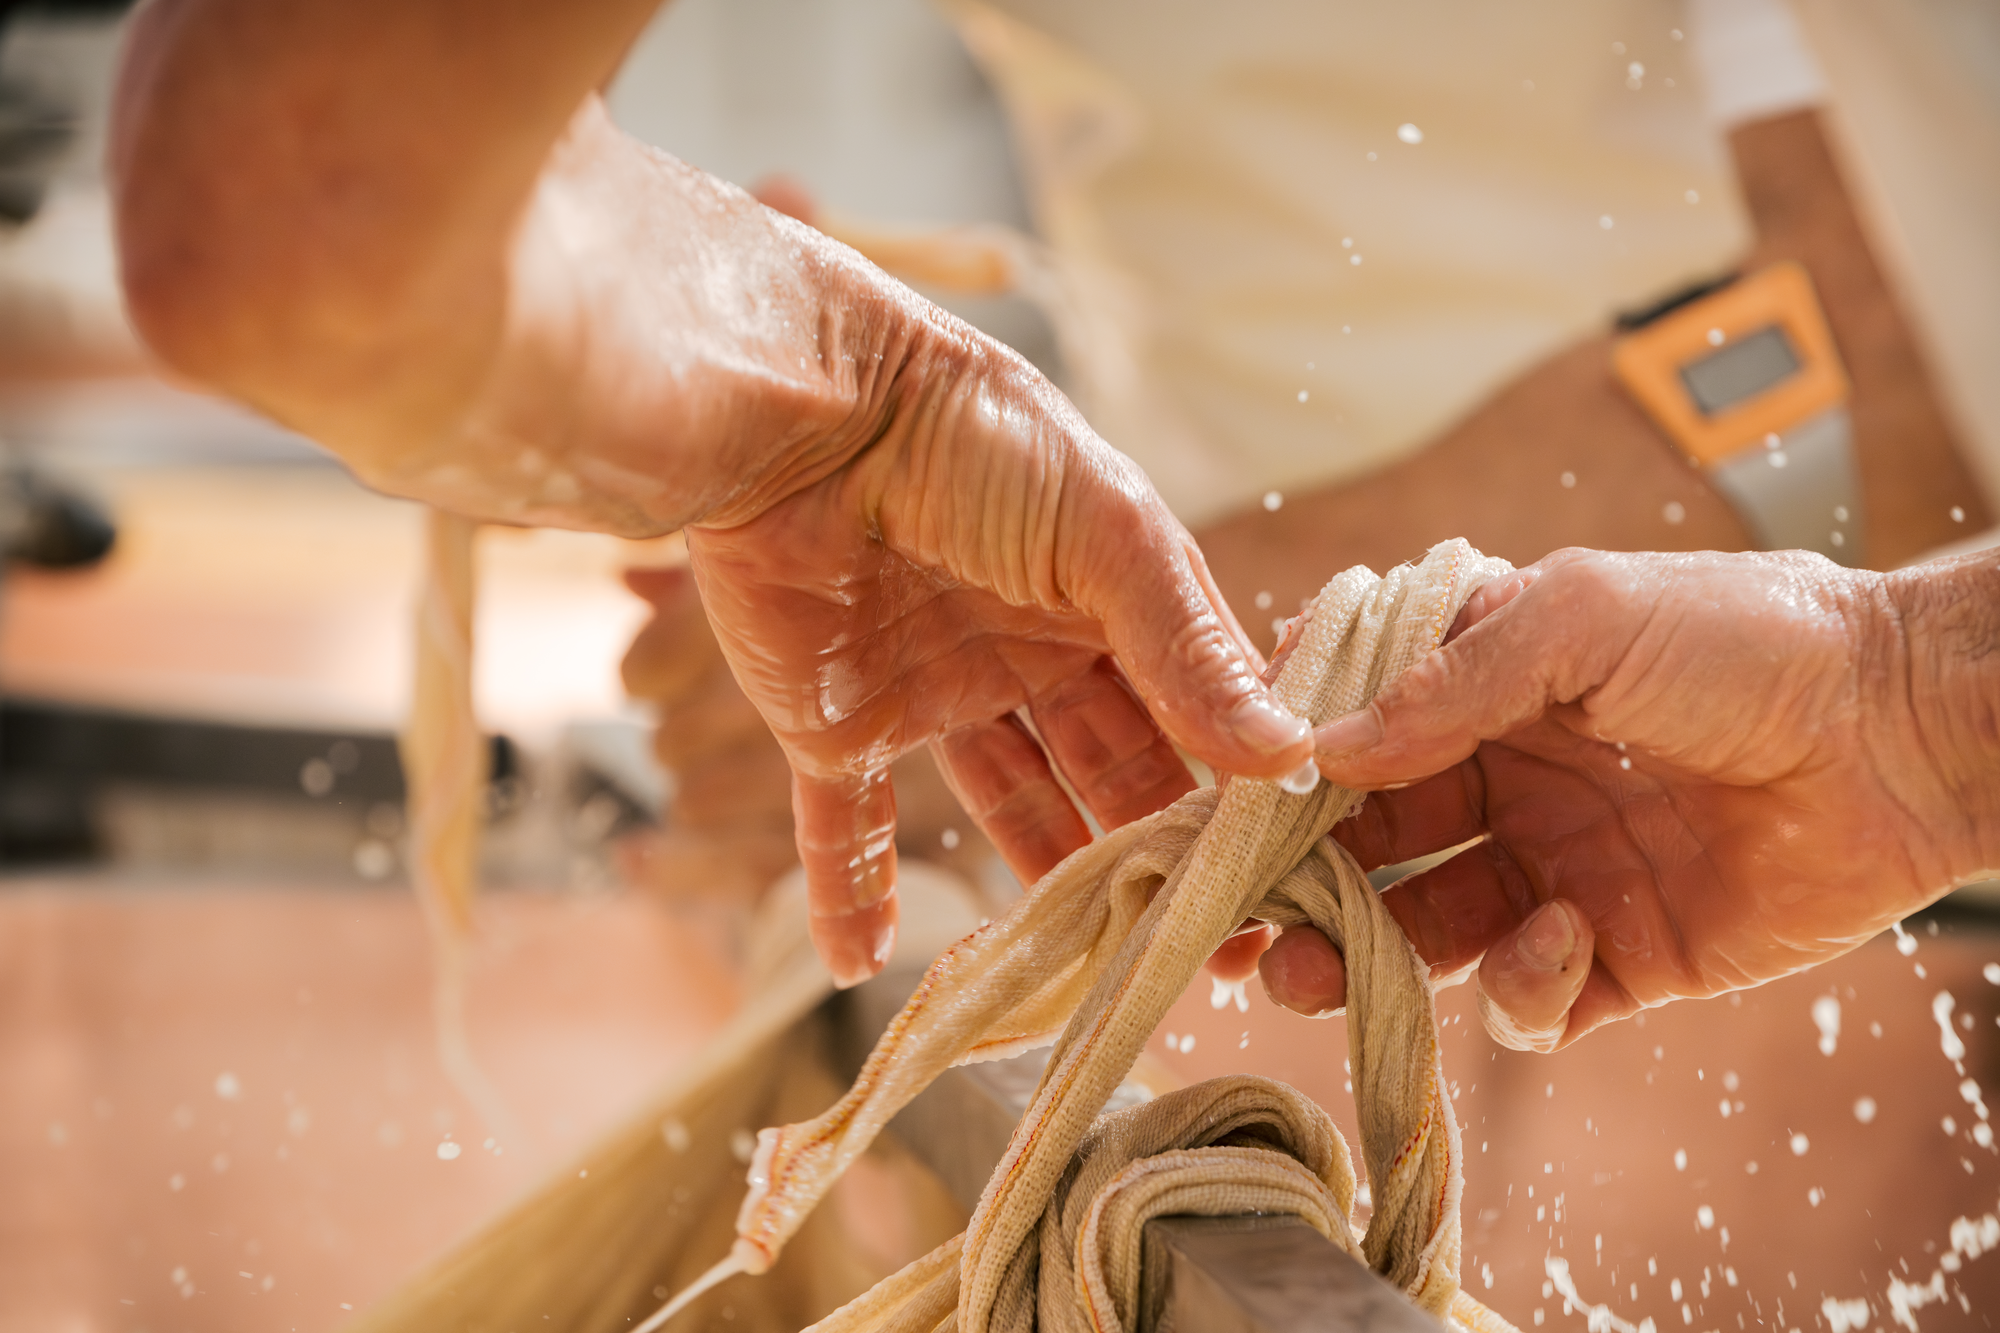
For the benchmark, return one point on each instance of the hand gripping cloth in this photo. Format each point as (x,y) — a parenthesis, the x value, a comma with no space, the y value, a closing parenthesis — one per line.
(1096,952)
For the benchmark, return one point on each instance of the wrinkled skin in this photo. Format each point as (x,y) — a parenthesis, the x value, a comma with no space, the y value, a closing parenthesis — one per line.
(416,236)
(954,572)
(1814,754)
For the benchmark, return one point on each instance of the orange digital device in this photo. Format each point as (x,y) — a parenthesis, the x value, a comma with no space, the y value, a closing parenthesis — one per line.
(1744,378)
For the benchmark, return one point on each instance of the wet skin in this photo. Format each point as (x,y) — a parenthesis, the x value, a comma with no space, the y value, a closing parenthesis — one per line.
(1814,753)
(416,236)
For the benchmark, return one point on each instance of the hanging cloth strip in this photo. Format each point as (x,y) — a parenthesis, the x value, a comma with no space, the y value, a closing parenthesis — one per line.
(1096,952)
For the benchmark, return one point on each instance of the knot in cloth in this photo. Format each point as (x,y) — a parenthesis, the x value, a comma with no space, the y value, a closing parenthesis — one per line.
(1091,958)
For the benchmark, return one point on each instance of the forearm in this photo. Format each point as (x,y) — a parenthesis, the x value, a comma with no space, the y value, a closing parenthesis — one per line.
(416,237)
(1941,673)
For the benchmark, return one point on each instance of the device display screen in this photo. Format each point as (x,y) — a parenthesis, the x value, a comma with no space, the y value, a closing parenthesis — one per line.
(1741,370)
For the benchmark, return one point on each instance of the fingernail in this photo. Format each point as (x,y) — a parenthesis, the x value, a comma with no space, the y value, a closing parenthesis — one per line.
(1266,728)
(1302,780)
(1348,733)
(1549,939)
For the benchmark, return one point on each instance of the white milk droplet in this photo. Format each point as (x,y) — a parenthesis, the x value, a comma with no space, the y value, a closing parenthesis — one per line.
(1864,1109)
(1568,480)
(1409,133)
(448,1151)
(1941,1006)
(1680,1159)
(1272,501)
(1826,1017)
(1906,943)
(227,1086)
(1799,1145)
(1957,514)
(1674,511)
(1300,782)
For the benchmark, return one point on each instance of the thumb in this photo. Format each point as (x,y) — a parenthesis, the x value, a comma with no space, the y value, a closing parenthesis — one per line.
(1542,637)
(1531,977)
(1141,576)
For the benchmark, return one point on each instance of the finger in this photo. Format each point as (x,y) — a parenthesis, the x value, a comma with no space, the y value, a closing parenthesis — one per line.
(1114,755)
(846,831)
(1211,590)
(1391,827)
(1602,1001)
(1304,972)
(1237,959)
(1556,636)
(1455,912)
(1451,914)
(1003,780)
(789,196)
(1132,567)
(674,650)
(661,584)
(1532,976)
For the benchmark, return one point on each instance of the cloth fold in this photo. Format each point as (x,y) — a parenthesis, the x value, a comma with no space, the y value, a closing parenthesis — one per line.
(1101,947)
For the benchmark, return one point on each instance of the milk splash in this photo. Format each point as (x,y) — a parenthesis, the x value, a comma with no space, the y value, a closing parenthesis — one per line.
(1970,1238)
(1599,1317)
(1222,992)
(1954,1050)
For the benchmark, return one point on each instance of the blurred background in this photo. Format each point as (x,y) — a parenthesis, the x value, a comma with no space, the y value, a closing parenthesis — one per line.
(223,1106)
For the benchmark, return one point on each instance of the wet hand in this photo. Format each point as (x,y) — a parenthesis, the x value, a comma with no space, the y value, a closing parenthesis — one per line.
(982,552)
(1690,774)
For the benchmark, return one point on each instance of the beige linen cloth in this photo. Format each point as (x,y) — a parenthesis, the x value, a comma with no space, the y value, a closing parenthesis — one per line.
(1096,952)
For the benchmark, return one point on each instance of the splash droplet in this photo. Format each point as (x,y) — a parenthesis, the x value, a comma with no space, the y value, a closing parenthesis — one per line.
(1409,133)
(1826,1017)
